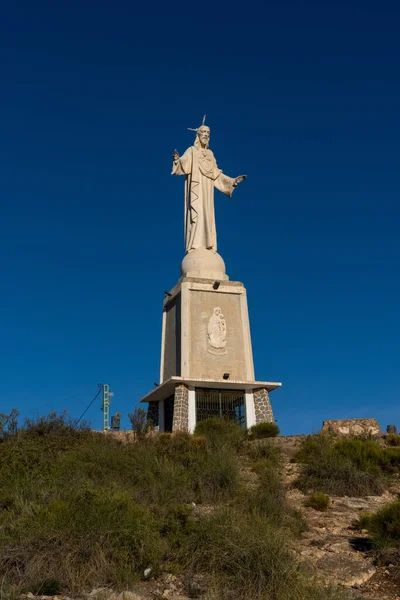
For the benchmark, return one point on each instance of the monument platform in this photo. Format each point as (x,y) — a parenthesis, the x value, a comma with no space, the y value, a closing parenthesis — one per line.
(249,404)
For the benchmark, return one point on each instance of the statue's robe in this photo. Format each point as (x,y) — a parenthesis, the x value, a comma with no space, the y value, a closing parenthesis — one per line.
(202,175)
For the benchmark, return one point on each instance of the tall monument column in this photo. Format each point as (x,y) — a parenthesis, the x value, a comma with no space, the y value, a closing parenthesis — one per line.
(206,354)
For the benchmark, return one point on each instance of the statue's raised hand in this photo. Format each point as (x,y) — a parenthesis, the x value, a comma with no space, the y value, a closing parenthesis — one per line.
(239,179)
(175,155)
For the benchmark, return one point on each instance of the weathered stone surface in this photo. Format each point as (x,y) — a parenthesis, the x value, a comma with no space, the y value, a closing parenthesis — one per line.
(102,593)
(352,427)
(331,544)
(349,570)
(129,596)
(181,408)
(234,355)
(262,406)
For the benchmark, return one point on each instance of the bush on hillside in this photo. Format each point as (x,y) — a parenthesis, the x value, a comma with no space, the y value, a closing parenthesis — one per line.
(53,422)
(318,501)
(221,433)
(139,422)
(345,467)
(8,423)
(265,450)
(68,541)
(383,528)
(313,446)
(393,439)
(384,525)
(246,557)
(263,430)
(363,521)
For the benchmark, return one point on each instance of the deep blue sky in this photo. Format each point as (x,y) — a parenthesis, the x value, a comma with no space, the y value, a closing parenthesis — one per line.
(302,96)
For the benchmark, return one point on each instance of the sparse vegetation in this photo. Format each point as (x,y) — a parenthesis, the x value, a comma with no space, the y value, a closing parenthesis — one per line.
(318,501)
(80,509)
(221,433)
(393,439)
(362,522)
(249,554)
(383,528)
(139,422)
(263,430)
(9,423)
(352,467)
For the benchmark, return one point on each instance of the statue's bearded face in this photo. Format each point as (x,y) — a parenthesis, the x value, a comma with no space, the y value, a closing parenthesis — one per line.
(204,135)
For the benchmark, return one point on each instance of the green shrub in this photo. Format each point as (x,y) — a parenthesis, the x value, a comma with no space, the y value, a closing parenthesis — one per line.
(53,422)
(244,556)
(268,497)
(346,467)
(391,460)
(313,446)
(318,501)
(383,529)
(67,541)
(265,450)
(221,433)
(384,525)
(263,430)
(268,500)
(139,422)
(393,439)
(363,521)
(338,476)
(363,454)
(218,480)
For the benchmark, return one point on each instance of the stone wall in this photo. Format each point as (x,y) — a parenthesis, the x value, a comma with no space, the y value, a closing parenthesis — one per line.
(352,427)
(152,413)
(262,406)
(181,408)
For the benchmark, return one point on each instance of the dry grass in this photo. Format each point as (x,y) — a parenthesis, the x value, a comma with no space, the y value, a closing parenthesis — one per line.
(82,510)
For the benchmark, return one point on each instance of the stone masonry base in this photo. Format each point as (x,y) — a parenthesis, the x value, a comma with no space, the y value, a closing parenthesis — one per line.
(181,408)
(262,406)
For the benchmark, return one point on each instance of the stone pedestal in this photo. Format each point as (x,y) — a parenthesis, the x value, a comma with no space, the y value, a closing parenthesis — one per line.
(189,348)
(206,354)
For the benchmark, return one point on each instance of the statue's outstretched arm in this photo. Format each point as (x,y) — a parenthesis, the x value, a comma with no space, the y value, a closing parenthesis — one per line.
(182,165)
(226,184)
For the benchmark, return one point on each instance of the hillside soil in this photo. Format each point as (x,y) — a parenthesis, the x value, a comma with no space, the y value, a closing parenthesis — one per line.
(332,545)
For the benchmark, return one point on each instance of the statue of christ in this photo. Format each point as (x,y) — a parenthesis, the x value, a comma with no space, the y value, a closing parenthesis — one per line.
(199,166)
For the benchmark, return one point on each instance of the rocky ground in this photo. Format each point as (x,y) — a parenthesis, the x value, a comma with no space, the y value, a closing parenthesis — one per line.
(333,546)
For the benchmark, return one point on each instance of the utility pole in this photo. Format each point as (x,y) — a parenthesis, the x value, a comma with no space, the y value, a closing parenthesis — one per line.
(106,406)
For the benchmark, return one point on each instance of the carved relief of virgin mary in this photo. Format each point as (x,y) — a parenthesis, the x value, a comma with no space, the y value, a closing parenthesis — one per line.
(216,332)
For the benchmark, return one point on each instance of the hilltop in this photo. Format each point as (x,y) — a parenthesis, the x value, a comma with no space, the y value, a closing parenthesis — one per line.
(217,515)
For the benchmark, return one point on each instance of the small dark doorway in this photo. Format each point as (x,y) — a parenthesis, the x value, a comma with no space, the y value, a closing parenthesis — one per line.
(224,404)
(168,413)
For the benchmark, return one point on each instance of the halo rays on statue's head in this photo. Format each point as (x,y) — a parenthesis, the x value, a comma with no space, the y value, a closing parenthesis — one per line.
(203,129)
